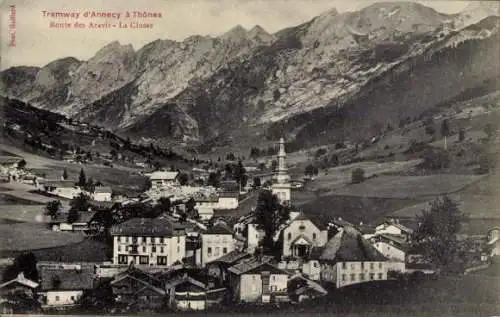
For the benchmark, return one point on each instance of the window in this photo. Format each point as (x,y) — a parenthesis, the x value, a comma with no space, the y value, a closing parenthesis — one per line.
(289,236)
(162,240)
(143,259)
(143,248)
(162,250)
(119,248)
(315,264)
(362,265)
(362,276)
(352,266)
(380,276)
(161,260)
(153,248)
(122,259)
(372,266)
(353,277)
(380,265)
(343,277)
(144,239)
(343,265)
(302,228)
(128,239)
(134,239)
(224,250)
(57,298)
(372,276)
(209,250)
(72,298)
(314,236)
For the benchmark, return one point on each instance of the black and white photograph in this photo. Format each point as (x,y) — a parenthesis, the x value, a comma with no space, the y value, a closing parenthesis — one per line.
(250,158)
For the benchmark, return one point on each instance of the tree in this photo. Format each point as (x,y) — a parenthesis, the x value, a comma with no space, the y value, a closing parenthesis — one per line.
(164,205)
(358,176)
(309,170)
(274,165)
(461,135)
(239,174)
(82,179)
(214,179)
(435,159)
(489,130)
(52,209)
(256,182)
(65,174)
(320,152)
(21,164)
(270,215)
(183,179)
(190,204)
(437,233)
(25,263)
(78,204)
(445,131)
(430,130)
(90,185)
(334,161)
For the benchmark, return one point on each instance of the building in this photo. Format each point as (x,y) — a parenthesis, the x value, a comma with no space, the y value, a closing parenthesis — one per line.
(253,237)
(62,285)
(219,268)
(393,227)
(149,241)
(257,280)
(300,236)
(228,200)
(348,259)
(62,188)
(60,223)
(19,285)
(8,163)
(186,293)
(216,242)
(160,179)
(138,289)
(493,241)
(281,186)
(205,213)
(394,248)
(207,201)
(102,193)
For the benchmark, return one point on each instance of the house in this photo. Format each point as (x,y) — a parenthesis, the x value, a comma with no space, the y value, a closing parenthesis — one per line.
(348,258)
(160,179)
(136,288)
(207,201)
(253,237)
(205,213)
(301,288)
(257,280)
(228,200)
(301,235)
(60,223)
(493,241)
(187,293)
(102,193)
(157,241)
(63,284)
(394,248)
(62,188)
(393,227)
(219,268)
(19,285)
(8,163)
(216,242)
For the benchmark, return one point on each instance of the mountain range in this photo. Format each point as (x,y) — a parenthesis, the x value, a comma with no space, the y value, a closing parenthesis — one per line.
(337,76)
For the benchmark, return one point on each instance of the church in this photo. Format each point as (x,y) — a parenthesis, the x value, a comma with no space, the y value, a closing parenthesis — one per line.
(281,182)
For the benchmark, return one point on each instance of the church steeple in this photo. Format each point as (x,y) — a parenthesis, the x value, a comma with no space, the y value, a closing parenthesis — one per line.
(281,186)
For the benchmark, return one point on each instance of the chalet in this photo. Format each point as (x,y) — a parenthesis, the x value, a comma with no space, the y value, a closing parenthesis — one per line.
(301,235)
(216,242)
(207,201)
(9,163)
(394,248)
(62,188)
(160,179)
(63,284)
(205,213)
(348,259)
(102,193)
(393,227)
(187,293)
(19,285)
(257,280)
(493,241)
(160,241)
(219,268)
(301,288)
(138,289)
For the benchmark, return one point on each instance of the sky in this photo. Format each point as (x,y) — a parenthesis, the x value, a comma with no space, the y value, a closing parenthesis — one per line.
(23,22)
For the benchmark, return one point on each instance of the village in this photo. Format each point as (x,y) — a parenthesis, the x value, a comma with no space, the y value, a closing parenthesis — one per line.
(233,237)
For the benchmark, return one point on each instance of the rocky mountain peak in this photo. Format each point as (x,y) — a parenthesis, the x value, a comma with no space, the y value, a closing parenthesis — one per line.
(475,12)
(236,33)
(257,33)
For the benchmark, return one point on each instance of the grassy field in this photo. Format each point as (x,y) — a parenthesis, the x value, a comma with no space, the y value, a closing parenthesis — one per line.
(87,250)
(30,236)
(409,186)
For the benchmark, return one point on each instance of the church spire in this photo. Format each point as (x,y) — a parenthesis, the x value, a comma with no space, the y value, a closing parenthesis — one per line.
(281,186)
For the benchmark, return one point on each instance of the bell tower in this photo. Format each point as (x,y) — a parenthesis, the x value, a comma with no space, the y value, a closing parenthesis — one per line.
(281,181)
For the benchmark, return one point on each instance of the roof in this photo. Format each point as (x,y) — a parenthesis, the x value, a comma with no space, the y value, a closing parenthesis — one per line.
(84,217)
(202,199)
(395,240)
(103,190)
(348,245)
(219,228)
(59,183)
(232,257)
(20,279)
(184,279)
(59,278)
(10,159)
(163,175)
(253,265)
(152,227)
(136,274)
(302,240)
(229,195)
(315,253)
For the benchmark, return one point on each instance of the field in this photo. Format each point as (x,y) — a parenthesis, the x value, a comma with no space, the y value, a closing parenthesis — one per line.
(31,236)
(409,186)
